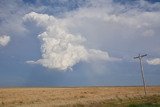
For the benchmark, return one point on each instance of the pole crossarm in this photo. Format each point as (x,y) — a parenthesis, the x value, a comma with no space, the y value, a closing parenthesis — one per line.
(142,71)
(140,56)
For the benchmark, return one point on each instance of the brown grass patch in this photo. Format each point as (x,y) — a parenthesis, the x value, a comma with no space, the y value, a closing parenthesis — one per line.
(80,96)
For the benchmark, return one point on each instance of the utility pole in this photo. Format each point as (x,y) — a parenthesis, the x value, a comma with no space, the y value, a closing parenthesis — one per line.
(142,71)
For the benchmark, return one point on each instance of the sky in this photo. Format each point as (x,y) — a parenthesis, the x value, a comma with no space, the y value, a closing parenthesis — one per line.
(51,43)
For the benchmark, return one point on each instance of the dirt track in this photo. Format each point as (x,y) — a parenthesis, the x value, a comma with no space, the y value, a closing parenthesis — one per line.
(69,96)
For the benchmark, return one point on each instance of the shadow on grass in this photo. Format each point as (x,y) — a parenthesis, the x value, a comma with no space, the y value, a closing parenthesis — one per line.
(143,101)
(144,105)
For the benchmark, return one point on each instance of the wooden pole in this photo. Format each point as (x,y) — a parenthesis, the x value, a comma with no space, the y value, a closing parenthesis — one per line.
(142,71)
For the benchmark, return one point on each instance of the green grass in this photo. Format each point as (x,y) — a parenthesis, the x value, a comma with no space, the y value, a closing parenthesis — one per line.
(144,101)
(144,105)
(148,101)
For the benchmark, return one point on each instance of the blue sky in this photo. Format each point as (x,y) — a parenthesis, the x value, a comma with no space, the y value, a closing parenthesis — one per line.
(78,42)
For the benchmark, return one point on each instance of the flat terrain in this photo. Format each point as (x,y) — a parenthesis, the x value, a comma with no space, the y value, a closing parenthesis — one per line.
(77,96)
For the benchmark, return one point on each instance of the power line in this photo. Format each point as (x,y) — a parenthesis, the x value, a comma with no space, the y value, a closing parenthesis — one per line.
(142,71)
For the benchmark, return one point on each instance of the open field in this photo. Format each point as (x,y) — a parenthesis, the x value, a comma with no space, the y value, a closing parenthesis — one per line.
(79,97)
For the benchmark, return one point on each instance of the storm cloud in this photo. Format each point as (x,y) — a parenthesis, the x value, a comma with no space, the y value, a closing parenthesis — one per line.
(61,49)
(96,39)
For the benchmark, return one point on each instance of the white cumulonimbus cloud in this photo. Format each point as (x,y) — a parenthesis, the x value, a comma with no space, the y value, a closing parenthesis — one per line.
(155,61)
(4,40)
(103,25)
(60,48)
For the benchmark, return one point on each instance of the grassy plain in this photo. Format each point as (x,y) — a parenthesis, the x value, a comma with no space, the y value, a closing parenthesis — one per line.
(80,97)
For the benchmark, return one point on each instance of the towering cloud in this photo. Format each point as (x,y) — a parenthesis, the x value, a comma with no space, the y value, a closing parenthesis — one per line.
(82,34)
(60,48)
(4,40)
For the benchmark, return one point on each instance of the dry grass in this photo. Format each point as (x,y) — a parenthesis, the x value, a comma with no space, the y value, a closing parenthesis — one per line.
(78,96)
